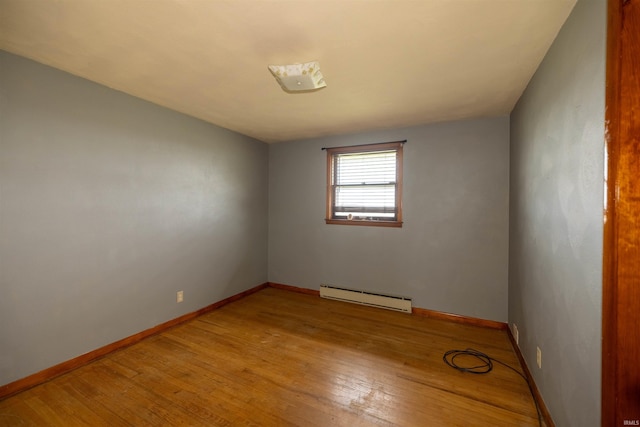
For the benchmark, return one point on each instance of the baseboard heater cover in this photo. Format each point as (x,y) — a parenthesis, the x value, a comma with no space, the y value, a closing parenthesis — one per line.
(373,299)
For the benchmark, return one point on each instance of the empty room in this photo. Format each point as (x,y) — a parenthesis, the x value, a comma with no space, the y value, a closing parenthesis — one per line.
(307,212)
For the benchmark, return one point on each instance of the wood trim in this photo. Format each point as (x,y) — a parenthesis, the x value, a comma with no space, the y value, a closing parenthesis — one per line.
(330,179)
(609,294)
(456,318)
(544,411)
(621,246)
(367,223)
(380,146)
(69,365)
(290,288)
(399,178)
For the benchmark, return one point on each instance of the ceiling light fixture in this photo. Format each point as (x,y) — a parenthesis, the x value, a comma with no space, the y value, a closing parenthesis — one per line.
(298,77)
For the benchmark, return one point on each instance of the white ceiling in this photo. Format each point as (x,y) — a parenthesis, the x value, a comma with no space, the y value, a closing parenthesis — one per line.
(387,63)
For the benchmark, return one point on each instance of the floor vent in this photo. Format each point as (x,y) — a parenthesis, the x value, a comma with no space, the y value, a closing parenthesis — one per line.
(372,299)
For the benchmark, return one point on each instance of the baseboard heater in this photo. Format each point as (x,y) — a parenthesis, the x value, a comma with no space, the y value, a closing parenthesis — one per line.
(373,299)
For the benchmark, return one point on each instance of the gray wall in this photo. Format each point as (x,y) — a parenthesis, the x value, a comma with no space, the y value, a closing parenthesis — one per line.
(555,274)
(450,255)
(108,206)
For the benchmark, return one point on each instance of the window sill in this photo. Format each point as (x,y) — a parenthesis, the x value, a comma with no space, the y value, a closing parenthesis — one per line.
(396,224)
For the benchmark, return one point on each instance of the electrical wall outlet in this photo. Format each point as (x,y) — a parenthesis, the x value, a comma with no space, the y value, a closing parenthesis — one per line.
(180,296)
(516,334)
(539,357)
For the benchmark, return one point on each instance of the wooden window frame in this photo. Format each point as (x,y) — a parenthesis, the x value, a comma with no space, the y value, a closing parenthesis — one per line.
(398,147)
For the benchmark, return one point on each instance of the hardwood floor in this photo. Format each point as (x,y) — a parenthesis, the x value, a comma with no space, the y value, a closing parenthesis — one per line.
(279,358)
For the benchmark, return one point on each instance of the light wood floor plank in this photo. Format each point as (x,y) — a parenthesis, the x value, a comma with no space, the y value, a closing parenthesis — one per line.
(282,358)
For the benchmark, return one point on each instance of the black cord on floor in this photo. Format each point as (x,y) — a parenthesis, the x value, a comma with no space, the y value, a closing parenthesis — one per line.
(484,366)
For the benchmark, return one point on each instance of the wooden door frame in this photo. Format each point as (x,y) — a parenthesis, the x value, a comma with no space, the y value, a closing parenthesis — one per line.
(621,247)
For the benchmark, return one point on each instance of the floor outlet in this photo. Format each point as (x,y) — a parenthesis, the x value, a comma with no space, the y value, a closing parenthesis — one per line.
(539,357)
(180,296)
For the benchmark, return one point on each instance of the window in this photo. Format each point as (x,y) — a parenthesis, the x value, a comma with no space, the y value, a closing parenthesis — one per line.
(364,185)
